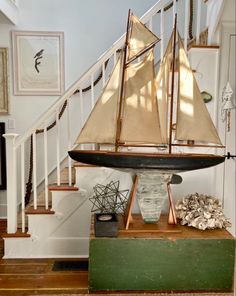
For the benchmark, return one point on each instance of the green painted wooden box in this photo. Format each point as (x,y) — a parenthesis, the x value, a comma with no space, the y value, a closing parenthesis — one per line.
(146,258)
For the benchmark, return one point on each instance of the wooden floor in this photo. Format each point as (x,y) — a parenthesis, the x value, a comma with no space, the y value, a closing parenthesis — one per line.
(35,276)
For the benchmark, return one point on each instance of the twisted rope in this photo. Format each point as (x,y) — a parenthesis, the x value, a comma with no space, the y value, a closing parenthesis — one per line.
(167,7)
(190,24)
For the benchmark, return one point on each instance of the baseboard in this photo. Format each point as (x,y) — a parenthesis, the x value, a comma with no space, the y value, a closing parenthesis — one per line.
(53,247)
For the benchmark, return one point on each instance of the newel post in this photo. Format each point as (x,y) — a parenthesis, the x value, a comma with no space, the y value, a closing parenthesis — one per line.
(11,183)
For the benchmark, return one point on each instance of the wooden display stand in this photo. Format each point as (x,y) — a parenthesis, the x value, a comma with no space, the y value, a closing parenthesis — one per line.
(161,257)
(172,220)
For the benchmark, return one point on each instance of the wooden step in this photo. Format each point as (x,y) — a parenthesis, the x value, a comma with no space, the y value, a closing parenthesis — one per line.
(40,210)
(19,233)
(206,46)
(63,187)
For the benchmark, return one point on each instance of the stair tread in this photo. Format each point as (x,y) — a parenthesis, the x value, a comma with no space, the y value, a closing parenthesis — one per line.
(39,210)
(204,46)
(19,233)
(64,187)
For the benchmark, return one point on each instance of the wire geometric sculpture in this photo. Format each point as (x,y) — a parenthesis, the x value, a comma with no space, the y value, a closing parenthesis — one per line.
(109,199)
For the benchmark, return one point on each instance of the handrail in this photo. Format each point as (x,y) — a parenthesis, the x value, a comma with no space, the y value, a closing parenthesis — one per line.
(70,91)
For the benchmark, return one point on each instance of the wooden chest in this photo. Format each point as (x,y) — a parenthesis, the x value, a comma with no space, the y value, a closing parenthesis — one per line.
(162,258)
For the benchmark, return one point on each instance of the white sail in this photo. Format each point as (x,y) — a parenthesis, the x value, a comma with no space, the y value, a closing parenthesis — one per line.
(162,86)
(140,120)
(140,37)
(101,124)
(193,119)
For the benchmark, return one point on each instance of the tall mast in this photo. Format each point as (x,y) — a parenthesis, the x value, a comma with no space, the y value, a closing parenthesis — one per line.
(172,88)
(118,128)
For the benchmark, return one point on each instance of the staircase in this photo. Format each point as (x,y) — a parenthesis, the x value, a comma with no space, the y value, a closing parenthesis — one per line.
(59,218)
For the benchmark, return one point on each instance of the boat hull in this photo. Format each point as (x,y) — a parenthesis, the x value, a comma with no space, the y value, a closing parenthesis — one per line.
(142,161)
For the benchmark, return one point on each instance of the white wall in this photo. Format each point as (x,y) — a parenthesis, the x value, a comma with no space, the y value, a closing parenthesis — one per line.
(90,27)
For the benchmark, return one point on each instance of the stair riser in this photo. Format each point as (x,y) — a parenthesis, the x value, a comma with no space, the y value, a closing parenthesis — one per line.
(63,200)
(42,225)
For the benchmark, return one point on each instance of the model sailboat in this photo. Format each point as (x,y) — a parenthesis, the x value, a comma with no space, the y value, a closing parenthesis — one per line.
(137,109)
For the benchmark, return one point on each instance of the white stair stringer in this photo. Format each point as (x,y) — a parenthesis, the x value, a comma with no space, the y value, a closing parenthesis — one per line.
(65,234)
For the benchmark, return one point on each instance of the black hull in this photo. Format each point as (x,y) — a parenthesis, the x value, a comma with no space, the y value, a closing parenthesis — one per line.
(140,161)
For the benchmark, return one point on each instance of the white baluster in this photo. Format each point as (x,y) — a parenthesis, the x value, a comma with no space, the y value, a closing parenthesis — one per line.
(22,146)
(58,148)
(162,33)
(11,183)
(69,143)
(92,91)
(150,23)
(34,171)
(81,108)
(198,28)
(114,57)
(186,21)
(103,74)
(45,137)
(92,99)
(174,11)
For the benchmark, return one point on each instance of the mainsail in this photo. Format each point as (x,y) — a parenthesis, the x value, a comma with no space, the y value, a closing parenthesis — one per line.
(140,120)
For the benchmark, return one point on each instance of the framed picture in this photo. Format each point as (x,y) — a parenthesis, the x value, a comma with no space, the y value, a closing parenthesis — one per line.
(4,88)
(3,183)
(38,61)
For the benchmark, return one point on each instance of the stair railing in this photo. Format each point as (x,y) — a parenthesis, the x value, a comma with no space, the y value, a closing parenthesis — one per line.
(18,146)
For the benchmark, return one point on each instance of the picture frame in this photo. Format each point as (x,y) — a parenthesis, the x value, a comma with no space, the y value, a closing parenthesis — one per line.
(3,179)
(38,62)
(4,81)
